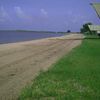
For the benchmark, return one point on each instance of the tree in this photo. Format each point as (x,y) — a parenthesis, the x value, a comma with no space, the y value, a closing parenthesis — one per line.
(68,31)
(85,29)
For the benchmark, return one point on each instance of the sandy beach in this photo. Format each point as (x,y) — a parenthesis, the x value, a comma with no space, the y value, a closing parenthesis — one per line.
(21,62)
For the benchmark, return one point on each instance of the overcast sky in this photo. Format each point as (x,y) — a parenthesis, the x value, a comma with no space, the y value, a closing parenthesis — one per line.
(51,15)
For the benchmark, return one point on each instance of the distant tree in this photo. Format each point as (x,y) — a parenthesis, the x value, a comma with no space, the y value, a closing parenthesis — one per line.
(85,29)
(82,30)
(68,31)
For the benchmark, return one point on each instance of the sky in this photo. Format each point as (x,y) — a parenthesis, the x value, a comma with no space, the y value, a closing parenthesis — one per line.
(46,15)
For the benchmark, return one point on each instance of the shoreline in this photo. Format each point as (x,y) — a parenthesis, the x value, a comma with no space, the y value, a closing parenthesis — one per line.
(12,37)
(28,41)
(19,44)
(68,36)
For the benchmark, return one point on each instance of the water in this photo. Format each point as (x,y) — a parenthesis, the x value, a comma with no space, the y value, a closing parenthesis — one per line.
(15,36)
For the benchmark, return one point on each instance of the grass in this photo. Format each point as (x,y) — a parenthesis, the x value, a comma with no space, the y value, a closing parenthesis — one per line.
(76,76)
(94,36)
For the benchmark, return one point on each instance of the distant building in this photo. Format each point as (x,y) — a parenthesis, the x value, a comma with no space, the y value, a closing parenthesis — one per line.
(94,28)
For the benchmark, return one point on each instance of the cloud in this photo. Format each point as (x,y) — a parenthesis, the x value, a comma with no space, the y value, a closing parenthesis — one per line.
(4,15)
(20,13)
(44,12)
(26,18)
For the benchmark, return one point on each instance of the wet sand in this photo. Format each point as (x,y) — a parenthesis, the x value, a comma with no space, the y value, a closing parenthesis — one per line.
(21,62)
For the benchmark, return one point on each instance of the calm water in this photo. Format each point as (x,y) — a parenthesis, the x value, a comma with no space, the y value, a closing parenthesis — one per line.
(14,36)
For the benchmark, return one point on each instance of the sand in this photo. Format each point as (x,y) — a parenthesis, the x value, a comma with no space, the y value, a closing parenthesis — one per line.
(21,62)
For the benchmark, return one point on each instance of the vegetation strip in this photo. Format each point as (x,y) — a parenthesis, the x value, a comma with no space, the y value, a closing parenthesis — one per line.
(76,76)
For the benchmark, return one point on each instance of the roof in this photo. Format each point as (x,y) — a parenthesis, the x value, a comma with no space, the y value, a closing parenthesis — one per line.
(96,6)
(98,31)
(94,27)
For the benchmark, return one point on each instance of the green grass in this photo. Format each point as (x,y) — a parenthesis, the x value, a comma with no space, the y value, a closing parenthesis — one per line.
(94,36)
(76,76)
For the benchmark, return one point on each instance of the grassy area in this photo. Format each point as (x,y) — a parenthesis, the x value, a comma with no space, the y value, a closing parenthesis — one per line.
(74,77)
(95,36)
